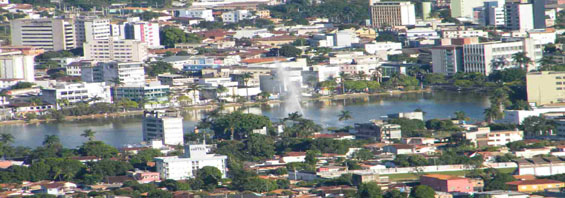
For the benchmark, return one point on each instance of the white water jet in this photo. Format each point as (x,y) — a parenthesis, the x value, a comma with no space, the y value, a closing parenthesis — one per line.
(290,87)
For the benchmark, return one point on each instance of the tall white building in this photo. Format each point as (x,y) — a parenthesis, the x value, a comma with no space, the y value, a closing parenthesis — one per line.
(164,126)
(78,92)
(392,13)
(182,168)
(129,74)
(18,63)
(196,13)
(115,50)
(143,31)
(487,57)
(47,34)
(89,29)
(519,16)
(464,8)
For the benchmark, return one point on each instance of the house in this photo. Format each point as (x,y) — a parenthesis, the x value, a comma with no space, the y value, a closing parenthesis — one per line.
(536,185)
(56,188)
(418,140)
(531,152)
(290,157)
(407,149)
(483,136)
(449,183)
(147,177)
(359,178)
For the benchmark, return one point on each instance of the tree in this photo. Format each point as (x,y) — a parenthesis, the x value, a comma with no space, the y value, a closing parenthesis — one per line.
(522,60)
(239,124)
(498,182)
(289,51)
(395,193)
(88,133)
(170,36)
(345,115)
(311,157)
(461,116)
(492,114)
(159,194)
(195,88)
(98,149)
(259,146)
(363,155)
(52,141)
(343,77)
(538,126)
(422,191)
(369,190)
(210,175)
(6,138)
(159,67)
(116,83)
(245,77)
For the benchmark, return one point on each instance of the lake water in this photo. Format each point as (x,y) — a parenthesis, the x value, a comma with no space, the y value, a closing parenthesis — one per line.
(127,130)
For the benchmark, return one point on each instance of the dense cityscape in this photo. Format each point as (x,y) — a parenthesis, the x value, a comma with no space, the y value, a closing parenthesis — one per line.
(282,98)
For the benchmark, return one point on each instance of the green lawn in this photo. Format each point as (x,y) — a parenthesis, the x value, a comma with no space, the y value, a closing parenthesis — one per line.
(411,176)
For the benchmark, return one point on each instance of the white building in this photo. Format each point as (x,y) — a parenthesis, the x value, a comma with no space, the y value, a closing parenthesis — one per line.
(519,16)
(389,47)
(48,34)
(487,57)
(483,137)
(463,33)
(142,31)
(447,60)
(182,168)
(196,13)
(236,16)
(517,116)
(154,94)
(129,74)
(165,126)
(464,8)
(78,92)
(392,13)
(116,50)
(17,65)
(92,28)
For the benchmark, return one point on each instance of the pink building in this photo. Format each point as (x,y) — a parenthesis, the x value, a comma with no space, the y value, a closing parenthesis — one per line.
(147,177)
(448,183)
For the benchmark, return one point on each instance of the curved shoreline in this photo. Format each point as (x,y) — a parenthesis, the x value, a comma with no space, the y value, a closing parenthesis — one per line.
(211,106)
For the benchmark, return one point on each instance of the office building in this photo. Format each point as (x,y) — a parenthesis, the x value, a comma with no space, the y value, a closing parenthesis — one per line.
(17,63)
(186,167)
(47,34)
(447,60)
(519,16)
(164,126)
(464,8)
(539,14)
(545,87)
(378,130)
(128,74)
(142,31)
(392,14)
(91,28)
(236,16)
(195,13)
(115,50)
(487,57)
(493,13)
(152,92)
(77,92)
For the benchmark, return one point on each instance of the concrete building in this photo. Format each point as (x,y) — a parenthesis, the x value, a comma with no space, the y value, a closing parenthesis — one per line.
(77,92)
(545,87)
(17,63)
(150,93)
(464,8)
(47,34)
(536,185)
(416,115)
(389,47)
(447,60)
(129,74)
(164,126)
(519,16)
(540,166)
(487,57)
(182,168)
(378,131)
(146,32)
(235,16)
(91,28)
(449,183)
(539,13)
(463,33)
(483,137)
(116,50)
(195,13)
(426,10)
(493,13)
(392,13)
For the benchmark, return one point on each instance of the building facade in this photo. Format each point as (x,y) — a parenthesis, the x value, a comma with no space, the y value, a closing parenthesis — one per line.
(519,16)
(143,31)
(392,14)
(128,74)
(47,34)
(91,28)
(186,167)
(18,64)
(164,126)
(545,87)
(77,92)
(116,50)
(447,60)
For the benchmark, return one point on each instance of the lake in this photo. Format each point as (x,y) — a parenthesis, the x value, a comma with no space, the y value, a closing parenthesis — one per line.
(127,130)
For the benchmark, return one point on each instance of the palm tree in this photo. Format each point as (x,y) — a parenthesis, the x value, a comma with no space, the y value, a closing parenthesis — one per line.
(361,75)
(460,115)
(345,115)
(245,77)
(492,114)
(117,82)
(295,116)
(344,76)
(378,74)
(51,140)
(221,89)
(195,87)
(88,133)
(6,138)
(522,59)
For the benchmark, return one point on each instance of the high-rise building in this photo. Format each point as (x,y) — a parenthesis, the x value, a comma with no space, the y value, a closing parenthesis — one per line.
(128,74)
(493,13)
(487,57)
(164,126)
(142,31)
(464,8)
(426,10)
(47,34)
(89,29)
(17,63)
(115,50)
(392,13)
(545,87)
(539,13)
(447,60)
(519,16)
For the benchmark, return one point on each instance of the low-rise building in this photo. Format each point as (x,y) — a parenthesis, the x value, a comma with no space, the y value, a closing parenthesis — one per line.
(449,183)
(483,136)
(536,185)
(416,115)
(545,87)
(196,157)
(378,131)
(77,92)
(541,166)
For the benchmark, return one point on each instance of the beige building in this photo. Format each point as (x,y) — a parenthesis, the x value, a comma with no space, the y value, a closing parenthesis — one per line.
(115,50)
(47,34)
(392,13)
(545,87)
